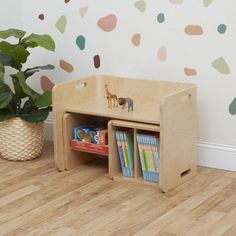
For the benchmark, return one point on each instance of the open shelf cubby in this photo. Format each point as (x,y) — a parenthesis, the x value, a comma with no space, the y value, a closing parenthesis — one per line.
(164,108)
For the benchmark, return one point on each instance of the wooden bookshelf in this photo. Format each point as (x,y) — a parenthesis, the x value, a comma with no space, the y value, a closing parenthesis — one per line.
(167,108)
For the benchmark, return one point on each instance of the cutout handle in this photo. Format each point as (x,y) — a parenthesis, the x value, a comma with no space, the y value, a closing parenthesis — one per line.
(185,173)
(186,98)
(80,85)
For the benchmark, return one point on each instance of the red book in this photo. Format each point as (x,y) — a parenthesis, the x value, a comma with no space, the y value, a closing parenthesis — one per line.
(89,147)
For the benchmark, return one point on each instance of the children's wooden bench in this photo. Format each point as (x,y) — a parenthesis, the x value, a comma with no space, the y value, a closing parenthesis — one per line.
(168,108)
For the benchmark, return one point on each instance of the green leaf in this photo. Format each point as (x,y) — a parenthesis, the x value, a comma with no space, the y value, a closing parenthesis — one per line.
(28,107)
(5,99)
(44,41)
(27,90)
(4,87)
(36,116)
(7,60)
(44,100)
(17,52)
(232,107)
(12,32)
(2,72)
(30,71)
(6,114)
(17,87)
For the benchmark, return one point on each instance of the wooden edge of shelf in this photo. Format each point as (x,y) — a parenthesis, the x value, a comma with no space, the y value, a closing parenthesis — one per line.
(135,125)
(136,181)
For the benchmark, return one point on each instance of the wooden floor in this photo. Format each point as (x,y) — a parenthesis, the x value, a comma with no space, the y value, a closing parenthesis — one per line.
(36,199)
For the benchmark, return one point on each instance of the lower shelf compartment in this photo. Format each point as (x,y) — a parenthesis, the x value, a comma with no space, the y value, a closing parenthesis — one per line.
(89,147)
(135,181)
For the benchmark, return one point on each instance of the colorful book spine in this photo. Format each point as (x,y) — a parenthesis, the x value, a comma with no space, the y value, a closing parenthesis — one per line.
(148,152)
(124,154)
(129,143)
(121,156)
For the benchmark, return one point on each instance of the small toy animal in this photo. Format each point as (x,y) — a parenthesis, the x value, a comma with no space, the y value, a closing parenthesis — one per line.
(111,98)
(123,101)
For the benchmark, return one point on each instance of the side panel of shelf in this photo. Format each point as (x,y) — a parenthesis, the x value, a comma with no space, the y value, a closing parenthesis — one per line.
(72,158)
(178,138)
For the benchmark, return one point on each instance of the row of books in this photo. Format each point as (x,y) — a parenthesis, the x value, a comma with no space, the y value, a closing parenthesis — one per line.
(125,146)
(148,154)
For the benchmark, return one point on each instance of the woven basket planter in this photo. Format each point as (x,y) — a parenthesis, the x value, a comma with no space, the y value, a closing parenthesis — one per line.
(20,140)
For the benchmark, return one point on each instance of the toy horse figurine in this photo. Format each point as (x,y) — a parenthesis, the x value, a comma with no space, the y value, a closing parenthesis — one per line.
(128,101)
(111,98)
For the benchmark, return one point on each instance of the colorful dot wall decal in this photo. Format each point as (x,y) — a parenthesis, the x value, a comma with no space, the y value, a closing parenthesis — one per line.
(80,41)
(207,2)
(161,18)
(221,66)
(83,11)
(193,30)
(96,60)
(140,5)
(66,66)
(61,24)
(136,39)
(221,28)
(41,16)
(190,71)
(107,23)
(176,1)
(161,54)
(66,1)
(46,83)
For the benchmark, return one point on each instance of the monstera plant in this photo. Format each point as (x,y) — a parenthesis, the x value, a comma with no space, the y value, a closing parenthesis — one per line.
(21,100)
(22,109)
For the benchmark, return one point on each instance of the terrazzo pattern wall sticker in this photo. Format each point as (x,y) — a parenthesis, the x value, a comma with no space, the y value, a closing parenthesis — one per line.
(176,1)
(61,24)
(66,1)
(140,5)
(190,71)
(83,11)
(193,30)
(207,2)
(221,66)
(80,41)
(161,54)
(46,83)
(232,107)
(66,66)
(41,16)
(107,23)
(136,39)
(160,17)
(96,61)
(221,28)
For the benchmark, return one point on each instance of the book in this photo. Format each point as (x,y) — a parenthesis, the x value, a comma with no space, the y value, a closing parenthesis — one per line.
(129,143)
(121,156)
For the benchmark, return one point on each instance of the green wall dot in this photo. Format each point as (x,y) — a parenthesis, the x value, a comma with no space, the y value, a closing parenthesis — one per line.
(80,41)
(221,28)
(161,18)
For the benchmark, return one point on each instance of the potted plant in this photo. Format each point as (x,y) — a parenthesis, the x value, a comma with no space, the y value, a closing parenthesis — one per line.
(22,109)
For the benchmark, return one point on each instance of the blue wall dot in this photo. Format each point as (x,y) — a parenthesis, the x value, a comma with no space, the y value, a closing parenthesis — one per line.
(161,18)
(221,28)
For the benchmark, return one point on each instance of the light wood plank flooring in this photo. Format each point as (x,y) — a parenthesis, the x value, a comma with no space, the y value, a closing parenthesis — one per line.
(36,199)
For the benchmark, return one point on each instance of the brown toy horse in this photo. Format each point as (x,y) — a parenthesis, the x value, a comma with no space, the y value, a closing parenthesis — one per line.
(111,98)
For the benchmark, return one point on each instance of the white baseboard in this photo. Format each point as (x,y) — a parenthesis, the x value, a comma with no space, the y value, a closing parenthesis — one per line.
(213,155)
(48,130)
(217,155)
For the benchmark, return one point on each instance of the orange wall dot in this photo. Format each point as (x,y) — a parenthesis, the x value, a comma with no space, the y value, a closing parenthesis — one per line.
(66,66)
(193,30)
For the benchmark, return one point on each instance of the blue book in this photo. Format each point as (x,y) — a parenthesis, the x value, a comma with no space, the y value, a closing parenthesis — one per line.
(119,140)
(128,137)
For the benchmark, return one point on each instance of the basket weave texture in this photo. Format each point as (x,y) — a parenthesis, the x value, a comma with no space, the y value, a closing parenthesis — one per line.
(20,140)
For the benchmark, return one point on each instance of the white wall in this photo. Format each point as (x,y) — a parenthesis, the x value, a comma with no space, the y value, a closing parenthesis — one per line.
(120,57)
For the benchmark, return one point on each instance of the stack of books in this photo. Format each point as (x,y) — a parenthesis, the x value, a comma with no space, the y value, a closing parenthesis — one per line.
(125,145)
(148,146)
